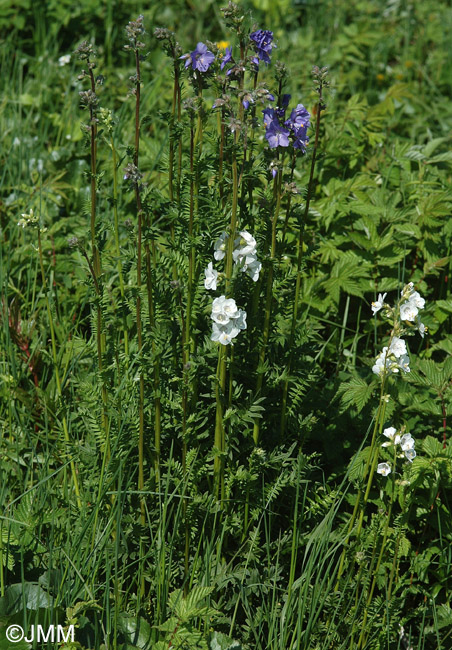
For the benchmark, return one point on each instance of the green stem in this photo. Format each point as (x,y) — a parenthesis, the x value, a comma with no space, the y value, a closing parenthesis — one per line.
(220,388)
(138,311)
(118,249)
(56,370)
(363,635)
(268,298)
(299,262)
(96,270)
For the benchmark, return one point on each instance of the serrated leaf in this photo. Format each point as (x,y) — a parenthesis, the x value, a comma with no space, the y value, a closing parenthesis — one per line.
(356,392)
(432,447)
(358,463)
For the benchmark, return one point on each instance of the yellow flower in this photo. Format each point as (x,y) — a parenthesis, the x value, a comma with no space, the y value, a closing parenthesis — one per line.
(222,45)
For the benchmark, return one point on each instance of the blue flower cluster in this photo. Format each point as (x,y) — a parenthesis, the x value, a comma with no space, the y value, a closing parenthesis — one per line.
(262,39)
(281,132)
(200,59)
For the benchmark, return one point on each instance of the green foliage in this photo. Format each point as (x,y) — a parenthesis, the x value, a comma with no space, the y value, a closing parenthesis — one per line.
(265,519)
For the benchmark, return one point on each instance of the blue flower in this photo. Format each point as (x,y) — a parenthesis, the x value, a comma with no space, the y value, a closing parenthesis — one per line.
(200,59)
(300,138)
(296,127)
(277,135)
(299,118)
(227,57)
(262,39)
(269,116)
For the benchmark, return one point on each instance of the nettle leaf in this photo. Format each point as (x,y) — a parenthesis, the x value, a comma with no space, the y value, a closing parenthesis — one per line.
(432,447)
(356,392)
(188,607)
(346,275)
(358,463)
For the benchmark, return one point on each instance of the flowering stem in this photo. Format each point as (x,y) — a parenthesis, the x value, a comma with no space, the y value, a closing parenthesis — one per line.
(175,107)
(118,249)
(57,372)
(100,336)
(137,92)
(96,270)
(220,389)
(299,261)
(268,299)
(289,201)
(221,154)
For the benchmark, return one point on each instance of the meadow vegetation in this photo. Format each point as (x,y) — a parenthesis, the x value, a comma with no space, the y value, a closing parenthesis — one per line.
(225,342)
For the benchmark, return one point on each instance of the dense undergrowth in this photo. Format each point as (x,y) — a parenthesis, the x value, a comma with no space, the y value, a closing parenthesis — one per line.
(192,407)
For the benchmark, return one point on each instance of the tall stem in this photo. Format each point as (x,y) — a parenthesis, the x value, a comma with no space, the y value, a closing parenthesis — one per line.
(118,249)
(268,298)
(220,385)
(299,261)
(56,370)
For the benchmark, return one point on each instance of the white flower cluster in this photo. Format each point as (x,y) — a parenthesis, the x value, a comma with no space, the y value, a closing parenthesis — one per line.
(395,358)
(244,254)
(406,443)
(228,320)
(31,219)
(410,305)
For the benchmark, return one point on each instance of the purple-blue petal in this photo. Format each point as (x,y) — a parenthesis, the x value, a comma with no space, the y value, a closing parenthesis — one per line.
(277,135)
(269,115)
(285,100)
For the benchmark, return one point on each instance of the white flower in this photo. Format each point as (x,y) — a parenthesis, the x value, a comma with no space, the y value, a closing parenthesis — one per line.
(394,437)
(240,319)
(253,269)
(223,309)
(211,277)
(408,311)
(383,468)
(244,253)
(64,60)
(378,304)
(407,290)
(404,363)
(421,327)
(220,246)
(380,363)
(30,219)
(244,244)
(407,442)
(393,360)
(397,347)
(414,301)
(226,331)
(410,454)
(417,300)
